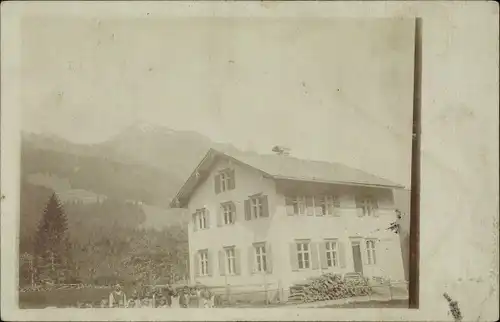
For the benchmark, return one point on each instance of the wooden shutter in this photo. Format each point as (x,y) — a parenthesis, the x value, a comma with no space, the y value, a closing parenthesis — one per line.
(294,262)
(248,214)
(359,209)
(269,258)
(314,256)
(195,225)
(209,263)
(196,265)
(364,252)
(336,206)
(251,260)
(265,206)
(217,183)
(319,201)
(220,216)
(207,216)
(232,180)
(237,261)
(342,254)
(289,203)
(222,263)
(375,207)
(309,206)
(233,208)
(322,255)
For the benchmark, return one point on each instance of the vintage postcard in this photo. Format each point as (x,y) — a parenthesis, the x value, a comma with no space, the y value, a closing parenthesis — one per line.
(195,163)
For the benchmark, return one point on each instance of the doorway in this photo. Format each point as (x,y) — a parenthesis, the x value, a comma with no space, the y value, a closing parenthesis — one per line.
(356,256)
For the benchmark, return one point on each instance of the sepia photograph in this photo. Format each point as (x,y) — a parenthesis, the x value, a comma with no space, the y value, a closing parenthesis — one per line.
(215,162)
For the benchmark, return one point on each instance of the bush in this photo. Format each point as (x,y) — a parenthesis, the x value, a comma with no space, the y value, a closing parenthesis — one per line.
(329,287)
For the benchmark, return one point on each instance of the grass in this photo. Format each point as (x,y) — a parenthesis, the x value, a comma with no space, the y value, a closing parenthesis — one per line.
(61,298)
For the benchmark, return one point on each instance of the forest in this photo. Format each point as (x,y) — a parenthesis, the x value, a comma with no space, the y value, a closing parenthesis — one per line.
(94,242)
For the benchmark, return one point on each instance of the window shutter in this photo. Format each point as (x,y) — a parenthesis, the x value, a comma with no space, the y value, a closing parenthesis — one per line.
(248,215)
(196,261)
(220,216)
(289,202)
(309,206)
(209,264)
(314,256)
(265,206)
(336,206)
(237,261)
(195,227)
(341,254)
(294,262)
(251,260)
(269,258)
(318,203)
(207,216)
(233,208)
(375,207)
(217,183)
(364,252)
(322,256)
(222,263)
(232,181)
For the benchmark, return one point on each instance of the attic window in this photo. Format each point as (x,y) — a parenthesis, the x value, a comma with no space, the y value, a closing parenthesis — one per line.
(224,181)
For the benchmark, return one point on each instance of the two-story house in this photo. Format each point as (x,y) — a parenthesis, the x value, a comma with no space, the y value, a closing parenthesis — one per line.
(280,219)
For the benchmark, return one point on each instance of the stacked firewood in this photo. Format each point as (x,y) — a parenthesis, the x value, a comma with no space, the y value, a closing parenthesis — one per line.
(328,287)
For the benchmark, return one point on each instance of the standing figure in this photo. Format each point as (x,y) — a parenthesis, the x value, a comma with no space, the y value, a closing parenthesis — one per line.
(207,298)
(117,298)
(184,298)
(169,292)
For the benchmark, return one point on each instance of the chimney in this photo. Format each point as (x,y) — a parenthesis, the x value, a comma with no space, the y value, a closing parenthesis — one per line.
(281,150)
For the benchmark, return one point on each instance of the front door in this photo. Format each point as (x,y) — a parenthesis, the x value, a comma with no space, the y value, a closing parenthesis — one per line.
(356,256)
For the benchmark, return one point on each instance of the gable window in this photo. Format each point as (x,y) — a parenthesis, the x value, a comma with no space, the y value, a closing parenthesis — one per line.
(228,213)
(332,258)
(224,180)
(201,219)
(260,258)
(230,260)
(203,262)
(370,252)
(303,254)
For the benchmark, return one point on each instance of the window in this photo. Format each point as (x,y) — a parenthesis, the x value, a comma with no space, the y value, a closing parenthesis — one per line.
(328,205)
(296,205)
(332,259)
(228,213)
(201,219)
(224,181)
(367,206)
(256,207)
(303,255)
(231,260)
(260,258)
(370,252)
(203,262)
(311,205)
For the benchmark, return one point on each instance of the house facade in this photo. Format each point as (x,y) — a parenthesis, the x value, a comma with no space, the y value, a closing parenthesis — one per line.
(267,222)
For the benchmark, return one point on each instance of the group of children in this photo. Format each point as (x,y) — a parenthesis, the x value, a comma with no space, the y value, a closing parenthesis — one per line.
(169,298)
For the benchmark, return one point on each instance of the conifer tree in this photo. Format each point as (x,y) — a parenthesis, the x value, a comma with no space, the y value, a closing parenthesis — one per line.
(52,244)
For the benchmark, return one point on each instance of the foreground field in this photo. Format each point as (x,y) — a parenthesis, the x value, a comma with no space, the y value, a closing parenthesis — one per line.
(61,298)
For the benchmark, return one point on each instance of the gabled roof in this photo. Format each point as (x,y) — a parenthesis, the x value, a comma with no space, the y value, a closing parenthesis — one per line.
(285,168)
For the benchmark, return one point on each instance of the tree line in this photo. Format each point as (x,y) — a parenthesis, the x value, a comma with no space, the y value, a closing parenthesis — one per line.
(99,243)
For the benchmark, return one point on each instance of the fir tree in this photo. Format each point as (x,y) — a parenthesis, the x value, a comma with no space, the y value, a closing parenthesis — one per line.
(51,243)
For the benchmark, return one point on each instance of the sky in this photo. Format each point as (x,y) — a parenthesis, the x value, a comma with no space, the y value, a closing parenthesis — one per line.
(329,89)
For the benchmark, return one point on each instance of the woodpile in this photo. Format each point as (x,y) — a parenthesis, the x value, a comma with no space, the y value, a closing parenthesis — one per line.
(328,287)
